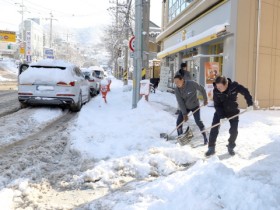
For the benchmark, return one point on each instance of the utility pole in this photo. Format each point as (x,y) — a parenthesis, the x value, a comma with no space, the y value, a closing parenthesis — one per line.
(125,78)
(138,56)
(51,23)
(117,30)
(146,30)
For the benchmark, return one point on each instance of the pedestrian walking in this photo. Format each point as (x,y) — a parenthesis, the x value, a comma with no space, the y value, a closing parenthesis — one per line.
(225,102)
(186,95)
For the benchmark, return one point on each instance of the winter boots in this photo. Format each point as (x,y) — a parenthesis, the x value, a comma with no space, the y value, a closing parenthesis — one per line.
(211,151)
(205,139)
(230,150)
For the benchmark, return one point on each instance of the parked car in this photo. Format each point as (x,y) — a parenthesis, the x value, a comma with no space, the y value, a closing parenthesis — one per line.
(94,82)
(99,71)
(53,82)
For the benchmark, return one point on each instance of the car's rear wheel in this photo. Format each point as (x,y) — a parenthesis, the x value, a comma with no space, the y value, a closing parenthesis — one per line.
(23,105)
(76,107)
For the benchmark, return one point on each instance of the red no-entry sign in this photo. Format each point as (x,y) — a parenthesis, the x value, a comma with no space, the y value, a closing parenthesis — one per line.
(132,43)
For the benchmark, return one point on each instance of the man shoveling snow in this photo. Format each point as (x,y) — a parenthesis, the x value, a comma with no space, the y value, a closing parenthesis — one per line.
(226,106)
(186,95)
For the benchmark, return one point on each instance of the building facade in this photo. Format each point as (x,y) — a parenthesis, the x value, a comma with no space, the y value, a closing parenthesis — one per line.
(34,39)
(239,39)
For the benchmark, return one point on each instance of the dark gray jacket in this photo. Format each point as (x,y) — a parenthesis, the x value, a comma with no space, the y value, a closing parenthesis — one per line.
(187,96)
(185,74)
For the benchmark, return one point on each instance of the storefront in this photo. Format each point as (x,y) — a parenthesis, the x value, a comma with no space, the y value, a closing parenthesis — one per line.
(200,43)
(239,39)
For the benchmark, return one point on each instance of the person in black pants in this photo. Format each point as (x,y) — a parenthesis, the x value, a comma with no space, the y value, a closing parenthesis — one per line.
(186,95)
(225,102)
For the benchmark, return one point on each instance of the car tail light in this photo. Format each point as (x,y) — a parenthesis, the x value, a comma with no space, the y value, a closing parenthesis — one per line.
(25,94)
(65,84)
(62,84)
(72,83)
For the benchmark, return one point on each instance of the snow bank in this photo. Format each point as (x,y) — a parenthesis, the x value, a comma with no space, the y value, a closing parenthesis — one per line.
(9,65)
(6,199)
(51,75)
(206,185)
(113,130)
(2,79)
(152,163)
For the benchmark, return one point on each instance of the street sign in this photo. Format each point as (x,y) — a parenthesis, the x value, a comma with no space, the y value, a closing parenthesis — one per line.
(28,59)
(7,36)
(132,43)
(48,53)
(28,43)
(21,50)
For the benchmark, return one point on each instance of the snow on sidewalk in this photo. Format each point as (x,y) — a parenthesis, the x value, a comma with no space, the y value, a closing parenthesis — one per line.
(125,143)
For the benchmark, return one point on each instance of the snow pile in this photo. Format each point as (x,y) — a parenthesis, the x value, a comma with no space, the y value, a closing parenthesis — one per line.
(3,79)
(6,199)
(9,65)
(114,130)
(206,185)
(49,75)
(153,163)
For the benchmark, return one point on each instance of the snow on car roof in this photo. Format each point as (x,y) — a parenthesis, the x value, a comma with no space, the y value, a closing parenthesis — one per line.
(51,62)
(96,68)
(48,71)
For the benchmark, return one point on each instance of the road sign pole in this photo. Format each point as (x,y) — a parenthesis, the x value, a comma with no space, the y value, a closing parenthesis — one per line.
(137,62)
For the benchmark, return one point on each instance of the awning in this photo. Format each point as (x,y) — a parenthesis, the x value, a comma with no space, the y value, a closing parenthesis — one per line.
(206,36)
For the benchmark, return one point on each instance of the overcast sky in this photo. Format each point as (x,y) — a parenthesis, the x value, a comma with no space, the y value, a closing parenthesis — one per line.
(69,13)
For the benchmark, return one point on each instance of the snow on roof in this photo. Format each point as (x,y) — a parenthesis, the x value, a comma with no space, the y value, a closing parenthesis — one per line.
(34,74)
(98,68)
(51,62)
(215,29)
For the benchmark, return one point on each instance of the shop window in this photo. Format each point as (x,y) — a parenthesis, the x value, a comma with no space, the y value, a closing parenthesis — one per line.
(216,49)
(175,7)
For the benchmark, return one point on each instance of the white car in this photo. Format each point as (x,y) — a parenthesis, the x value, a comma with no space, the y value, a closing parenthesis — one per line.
(99,71)
(53,82)
(94,82)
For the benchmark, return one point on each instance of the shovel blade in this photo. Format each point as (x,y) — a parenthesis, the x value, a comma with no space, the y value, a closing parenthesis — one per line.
(185,138)
(163,135)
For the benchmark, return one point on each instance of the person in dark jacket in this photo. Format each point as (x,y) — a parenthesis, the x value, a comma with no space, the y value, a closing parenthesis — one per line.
(186,95)
(183,71)
(225,102)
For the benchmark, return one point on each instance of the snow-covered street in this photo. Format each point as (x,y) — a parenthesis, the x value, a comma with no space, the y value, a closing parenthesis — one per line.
(109,156)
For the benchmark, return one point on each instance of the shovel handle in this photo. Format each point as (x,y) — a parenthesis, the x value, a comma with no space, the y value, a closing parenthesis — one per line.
(230,118)
(184,121)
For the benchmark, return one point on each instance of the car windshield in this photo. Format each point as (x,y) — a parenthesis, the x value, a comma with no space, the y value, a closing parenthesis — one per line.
(98,73)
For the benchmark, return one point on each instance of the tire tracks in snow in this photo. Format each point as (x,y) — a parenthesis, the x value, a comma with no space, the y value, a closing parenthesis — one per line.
(8,103)
(46,160)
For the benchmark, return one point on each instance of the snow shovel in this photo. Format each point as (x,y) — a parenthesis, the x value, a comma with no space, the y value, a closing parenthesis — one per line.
(185,139)
(166,136)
